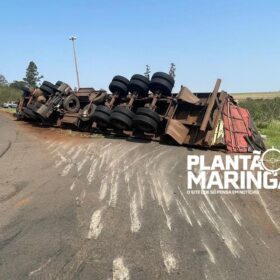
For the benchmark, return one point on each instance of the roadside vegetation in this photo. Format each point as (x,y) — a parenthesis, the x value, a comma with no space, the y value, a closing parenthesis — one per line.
(8,94)
(11,91)
(266,116)
(256,95)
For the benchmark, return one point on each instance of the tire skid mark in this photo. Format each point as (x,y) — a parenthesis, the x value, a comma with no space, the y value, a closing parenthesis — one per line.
(189,207)
(91,173)
(96,224)
(169,260)
(36,271)
(61,160)
(183,212)
(120,271)
(134,215)
(269,214)
(103,188)
(210,253)
(114,189)
(232,210)
(223,231)
(81,163)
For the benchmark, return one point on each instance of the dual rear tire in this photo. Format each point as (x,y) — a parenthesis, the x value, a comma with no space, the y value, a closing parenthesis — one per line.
(122,118)
(119,85)
(139,84)
(146,120)
(162,83)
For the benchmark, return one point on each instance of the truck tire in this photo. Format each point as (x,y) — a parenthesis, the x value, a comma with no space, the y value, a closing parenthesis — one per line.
(99,98)
(71,104)
(161,85)
(138,86)
(101,119)
(88,112)
(118,87)
(104,109)
(50,85)
(145,123)
(47,91)
(148,113)
(124,111)
(120,121)
(164,76)
(141,78)
(58,83)
(121,79)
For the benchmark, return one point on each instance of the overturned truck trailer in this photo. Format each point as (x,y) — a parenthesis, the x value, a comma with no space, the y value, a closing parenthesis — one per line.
(193,118)
(205,120)
(147,109)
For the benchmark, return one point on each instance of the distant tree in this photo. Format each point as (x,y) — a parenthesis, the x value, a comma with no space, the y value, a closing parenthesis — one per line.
(148,71)
(3,81)
(18,84)
(172,70)
(32,77)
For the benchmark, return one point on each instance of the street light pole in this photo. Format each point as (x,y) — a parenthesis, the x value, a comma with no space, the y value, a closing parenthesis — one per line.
(73,38)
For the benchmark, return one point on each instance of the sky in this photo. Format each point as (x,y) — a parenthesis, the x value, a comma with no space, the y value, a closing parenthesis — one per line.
(235,40)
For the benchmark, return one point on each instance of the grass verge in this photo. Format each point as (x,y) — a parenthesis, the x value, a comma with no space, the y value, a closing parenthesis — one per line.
(272,133)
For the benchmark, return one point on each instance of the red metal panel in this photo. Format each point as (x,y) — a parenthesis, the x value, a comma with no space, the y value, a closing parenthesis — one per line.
(236,126)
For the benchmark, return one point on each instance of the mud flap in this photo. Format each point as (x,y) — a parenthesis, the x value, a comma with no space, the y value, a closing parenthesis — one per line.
(177,131)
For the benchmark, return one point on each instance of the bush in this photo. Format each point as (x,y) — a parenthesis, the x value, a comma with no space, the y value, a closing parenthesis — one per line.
(266,115)
(263,111)
(9,94)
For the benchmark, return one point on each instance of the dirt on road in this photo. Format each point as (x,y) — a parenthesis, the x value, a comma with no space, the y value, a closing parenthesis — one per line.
(76,206)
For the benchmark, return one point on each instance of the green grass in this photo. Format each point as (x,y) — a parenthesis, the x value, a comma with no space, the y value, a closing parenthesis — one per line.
(263,111)
(266,116)
(272,133)
(8,110)
(9,94)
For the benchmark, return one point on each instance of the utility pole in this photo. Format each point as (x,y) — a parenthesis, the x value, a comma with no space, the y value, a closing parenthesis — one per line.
(148,71)
(172,70)
(73,38)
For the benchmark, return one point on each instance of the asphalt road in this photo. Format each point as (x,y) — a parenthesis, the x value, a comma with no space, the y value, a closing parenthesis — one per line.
(74,207)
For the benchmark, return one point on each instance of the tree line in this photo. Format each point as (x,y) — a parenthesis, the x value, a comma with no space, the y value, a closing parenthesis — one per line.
(32,78)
